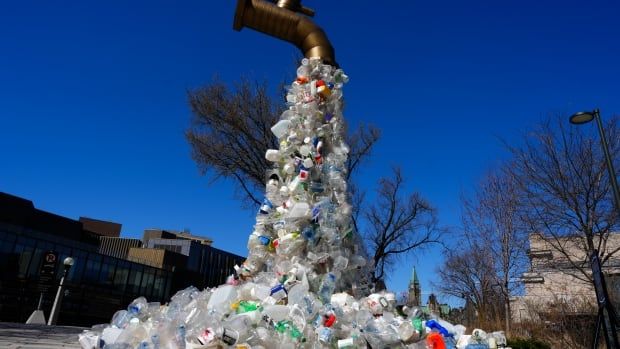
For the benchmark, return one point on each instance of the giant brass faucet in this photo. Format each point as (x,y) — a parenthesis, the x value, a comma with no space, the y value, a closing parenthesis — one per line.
(286,20)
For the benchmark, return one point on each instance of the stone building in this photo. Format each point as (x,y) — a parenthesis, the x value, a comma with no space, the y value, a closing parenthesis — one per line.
(556,277)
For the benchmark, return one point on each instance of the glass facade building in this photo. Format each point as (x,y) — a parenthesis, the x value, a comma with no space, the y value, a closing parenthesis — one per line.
(97,285)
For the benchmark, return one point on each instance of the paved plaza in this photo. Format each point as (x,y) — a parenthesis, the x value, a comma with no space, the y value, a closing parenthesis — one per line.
(21,336)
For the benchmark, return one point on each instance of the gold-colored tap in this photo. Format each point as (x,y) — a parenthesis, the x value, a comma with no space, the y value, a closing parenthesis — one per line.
(286,20)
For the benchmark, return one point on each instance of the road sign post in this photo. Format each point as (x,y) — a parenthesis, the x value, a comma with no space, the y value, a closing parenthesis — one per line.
(47,275)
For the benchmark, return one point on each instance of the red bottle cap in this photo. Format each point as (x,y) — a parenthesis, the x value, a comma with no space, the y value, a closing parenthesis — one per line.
(329,320)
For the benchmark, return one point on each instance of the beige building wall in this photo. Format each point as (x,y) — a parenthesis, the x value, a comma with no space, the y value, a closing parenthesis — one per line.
(149,256)
(555,277)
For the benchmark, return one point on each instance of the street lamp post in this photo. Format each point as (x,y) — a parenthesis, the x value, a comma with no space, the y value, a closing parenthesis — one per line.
(68,262)
(585,117)
(608,321)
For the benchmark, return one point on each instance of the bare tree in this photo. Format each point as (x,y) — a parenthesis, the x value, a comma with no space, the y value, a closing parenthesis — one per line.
(564,191)
(398,224)
(468,273)
(231,131)
(492,224)
(360,143)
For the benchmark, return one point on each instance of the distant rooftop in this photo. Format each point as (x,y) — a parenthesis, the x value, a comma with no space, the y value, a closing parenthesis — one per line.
(172,234)
(21,212)
(104,228)
(202,239)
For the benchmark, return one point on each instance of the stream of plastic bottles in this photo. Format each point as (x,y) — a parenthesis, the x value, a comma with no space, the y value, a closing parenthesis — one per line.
(305,283)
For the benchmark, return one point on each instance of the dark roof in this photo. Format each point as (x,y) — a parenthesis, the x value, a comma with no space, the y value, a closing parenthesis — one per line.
(105,228)
(22,213)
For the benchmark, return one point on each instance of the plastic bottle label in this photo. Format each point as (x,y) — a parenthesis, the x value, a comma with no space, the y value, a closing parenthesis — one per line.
(278,292)
(229,337)
(325,335)
(346,343)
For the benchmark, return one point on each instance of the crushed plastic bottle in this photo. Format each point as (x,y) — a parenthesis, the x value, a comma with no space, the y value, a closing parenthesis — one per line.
(304,283)
(435,340)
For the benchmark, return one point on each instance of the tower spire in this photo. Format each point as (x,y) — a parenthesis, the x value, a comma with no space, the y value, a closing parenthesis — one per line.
(415,293)
(414,277)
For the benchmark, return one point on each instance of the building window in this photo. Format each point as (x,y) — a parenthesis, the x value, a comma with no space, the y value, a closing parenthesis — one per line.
(159,285)
(147,282)
(135,278)
(23,251)
(120,278)
(106,276)
(75,273)
(173,248)
(91,273)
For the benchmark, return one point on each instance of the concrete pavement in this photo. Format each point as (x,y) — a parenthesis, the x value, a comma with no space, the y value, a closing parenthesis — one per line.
(22,336)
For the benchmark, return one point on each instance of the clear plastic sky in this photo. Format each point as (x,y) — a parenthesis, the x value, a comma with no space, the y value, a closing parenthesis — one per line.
(93,102)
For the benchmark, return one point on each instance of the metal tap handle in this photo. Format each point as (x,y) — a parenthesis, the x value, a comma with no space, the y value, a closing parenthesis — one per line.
(306,11)
(295,6)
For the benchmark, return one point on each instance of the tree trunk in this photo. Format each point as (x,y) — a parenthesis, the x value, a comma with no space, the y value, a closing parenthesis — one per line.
(508,317)
(379,285)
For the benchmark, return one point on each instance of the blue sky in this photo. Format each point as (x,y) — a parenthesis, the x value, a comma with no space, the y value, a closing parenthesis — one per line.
(93,100)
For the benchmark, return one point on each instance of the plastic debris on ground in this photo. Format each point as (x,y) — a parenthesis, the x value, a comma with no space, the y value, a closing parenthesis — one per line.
(305,283)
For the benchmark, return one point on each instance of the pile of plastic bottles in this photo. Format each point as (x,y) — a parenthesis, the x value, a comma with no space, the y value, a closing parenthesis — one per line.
(235,317)
(305,283)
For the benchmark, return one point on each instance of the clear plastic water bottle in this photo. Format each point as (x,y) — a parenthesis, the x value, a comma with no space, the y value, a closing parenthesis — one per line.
(180,336)
(121,318)
(328,285)
(155,341)
(325,335)
(138,306)
(281,128)
(117,346)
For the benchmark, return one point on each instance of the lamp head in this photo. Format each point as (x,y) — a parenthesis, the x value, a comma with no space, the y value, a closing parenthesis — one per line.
(583,117)
(68,262)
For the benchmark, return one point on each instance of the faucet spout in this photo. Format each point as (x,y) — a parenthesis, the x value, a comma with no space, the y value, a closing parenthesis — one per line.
(284,22)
